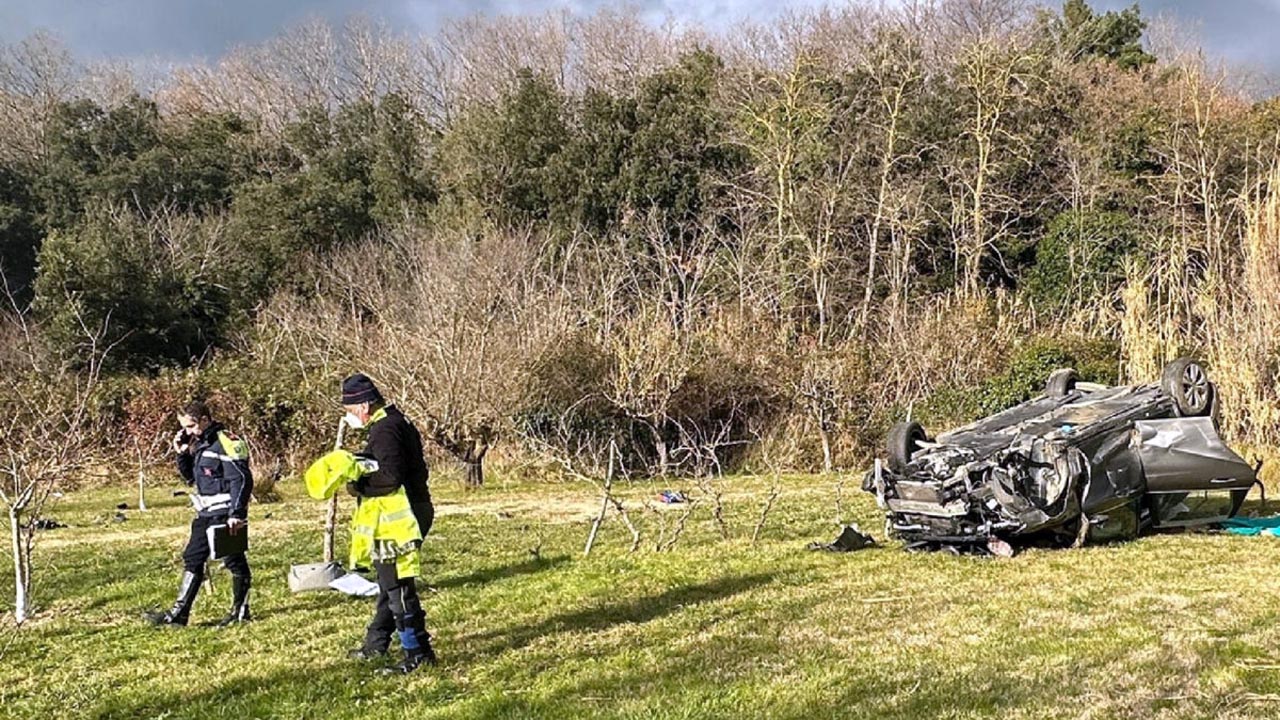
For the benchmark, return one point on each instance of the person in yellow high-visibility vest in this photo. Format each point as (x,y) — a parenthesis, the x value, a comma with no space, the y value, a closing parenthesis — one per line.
(394,513)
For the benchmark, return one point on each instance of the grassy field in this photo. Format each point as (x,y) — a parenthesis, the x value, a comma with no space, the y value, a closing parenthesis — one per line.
(1170,626)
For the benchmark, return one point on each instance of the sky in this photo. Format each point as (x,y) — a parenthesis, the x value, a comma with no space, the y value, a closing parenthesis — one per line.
(1242,31)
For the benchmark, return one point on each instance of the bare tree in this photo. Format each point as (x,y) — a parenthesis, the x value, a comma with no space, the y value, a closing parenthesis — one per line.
(579,455)
(445,323)
(818,387)
(483,54)
(36,73)
(894,66)
(784,121)
(994,71)
(651,361)
(613,49)
(47,434)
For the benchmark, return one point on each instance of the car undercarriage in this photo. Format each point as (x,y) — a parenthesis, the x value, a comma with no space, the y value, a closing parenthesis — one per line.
(1079,463)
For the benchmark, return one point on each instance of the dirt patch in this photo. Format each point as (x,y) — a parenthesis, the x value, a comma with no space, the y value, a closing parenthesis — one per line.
(555,511)
(166,534)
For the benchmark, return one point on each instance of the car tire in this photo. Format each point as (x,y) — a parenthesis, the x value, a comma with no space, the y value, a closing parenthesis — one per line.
(1187,384)
(903,440)
(1061,383)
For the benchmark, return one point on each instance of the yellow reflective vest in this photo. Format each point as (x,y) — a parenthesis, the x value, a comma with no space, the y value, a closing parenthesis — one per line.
(383,529)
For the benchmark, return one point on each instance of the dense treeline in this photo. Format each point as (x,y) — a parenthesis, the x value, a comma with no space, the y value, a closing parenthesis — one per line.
(546,235)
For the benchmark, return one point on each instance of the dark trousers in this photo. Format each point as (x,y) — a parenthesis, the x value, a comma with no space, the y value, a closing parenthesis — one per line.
(398,609)
(197,552)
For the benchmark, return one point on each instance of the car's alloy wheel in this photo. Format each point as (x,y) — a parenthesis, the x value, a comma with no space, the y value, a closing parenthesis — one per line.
(1187,383)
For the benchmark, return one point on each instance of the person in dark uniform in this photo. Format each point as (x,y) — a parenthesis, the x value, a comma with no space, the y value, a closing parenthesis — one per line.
(395,448)
(215,463)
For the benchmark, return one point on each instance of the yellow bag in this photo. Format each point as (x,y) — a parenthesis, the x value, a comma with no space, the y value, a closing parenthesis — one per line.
(330,472)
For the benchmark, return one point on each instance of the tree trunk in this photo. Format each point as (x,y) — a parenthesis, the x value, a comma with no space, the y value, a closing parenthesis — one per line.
(330,524)
(475,472)
(660,445)
(21,567)
(142,477)
(331,516)
(826,449)
(604,505)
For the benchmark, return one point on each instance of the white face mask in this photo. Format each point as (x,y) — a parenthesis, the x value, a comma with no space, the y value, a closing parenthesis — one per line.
(354,422)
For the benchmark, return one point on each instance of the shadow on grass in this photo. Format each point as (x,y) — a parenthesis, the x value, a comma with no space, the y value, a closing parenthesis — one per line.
(348,685)
(299,605)
(504,572)
(298,692)
(634,610)
(686,687)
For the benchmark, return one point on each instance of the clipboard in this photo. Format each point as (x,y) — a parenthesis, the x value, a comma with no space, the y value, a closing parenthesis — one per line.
(222,543)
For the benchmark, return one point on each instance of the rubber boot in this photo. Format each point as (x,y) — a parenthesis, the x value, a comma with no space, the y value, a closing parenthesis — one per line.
(417,651)
(239,601)
(428,652)
(366,653)
(181,610)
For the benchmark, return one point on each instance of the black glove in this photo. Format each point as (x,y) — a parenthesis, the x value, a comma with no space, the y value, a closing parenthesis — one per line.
(353,489)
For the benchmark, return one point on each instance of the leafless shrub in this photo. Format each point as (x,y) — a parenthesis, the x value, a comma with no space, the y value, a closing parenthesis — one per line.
(47,435)
(774,491)
(667,542)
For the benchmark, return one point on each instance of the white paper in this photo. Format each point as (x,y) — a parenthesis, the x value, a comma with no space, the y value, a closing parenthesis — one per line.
(353,584)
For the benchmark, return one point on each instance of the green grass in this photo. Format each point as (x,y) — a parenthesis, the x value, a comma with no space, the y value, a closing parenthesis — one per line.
(1170,626)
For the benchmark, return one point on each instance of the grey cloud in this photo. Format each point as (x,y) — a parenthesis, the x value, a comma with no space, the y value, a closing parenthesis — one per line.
(1242,31)
(188,29)
(177,29)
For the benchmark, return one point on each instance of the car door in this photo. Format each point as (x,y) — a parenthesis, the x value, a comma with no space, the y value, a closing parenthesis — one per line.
(1187,454)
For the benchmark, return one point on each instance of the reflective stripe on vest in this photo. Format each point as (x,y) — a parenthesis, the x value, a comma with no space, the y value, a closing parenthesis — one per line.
(207,503)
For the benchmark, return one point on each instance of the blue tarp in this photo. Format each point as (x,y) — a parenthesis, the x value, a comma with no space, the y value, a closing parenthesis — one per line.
(1253,526)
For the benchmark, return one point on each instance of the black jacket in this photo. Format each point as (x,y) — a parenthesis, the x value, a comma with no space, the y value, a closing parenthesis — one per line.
(397,447)
(217,464)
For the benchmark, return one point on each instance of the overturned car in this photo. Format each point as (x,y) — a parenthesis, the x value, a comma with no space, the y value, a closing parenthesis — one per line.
(1080,463)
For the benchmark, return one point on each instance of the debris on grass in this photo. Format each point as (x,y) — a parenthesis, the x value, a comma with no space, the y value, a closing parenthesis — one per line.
(851,538)
(314,576)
